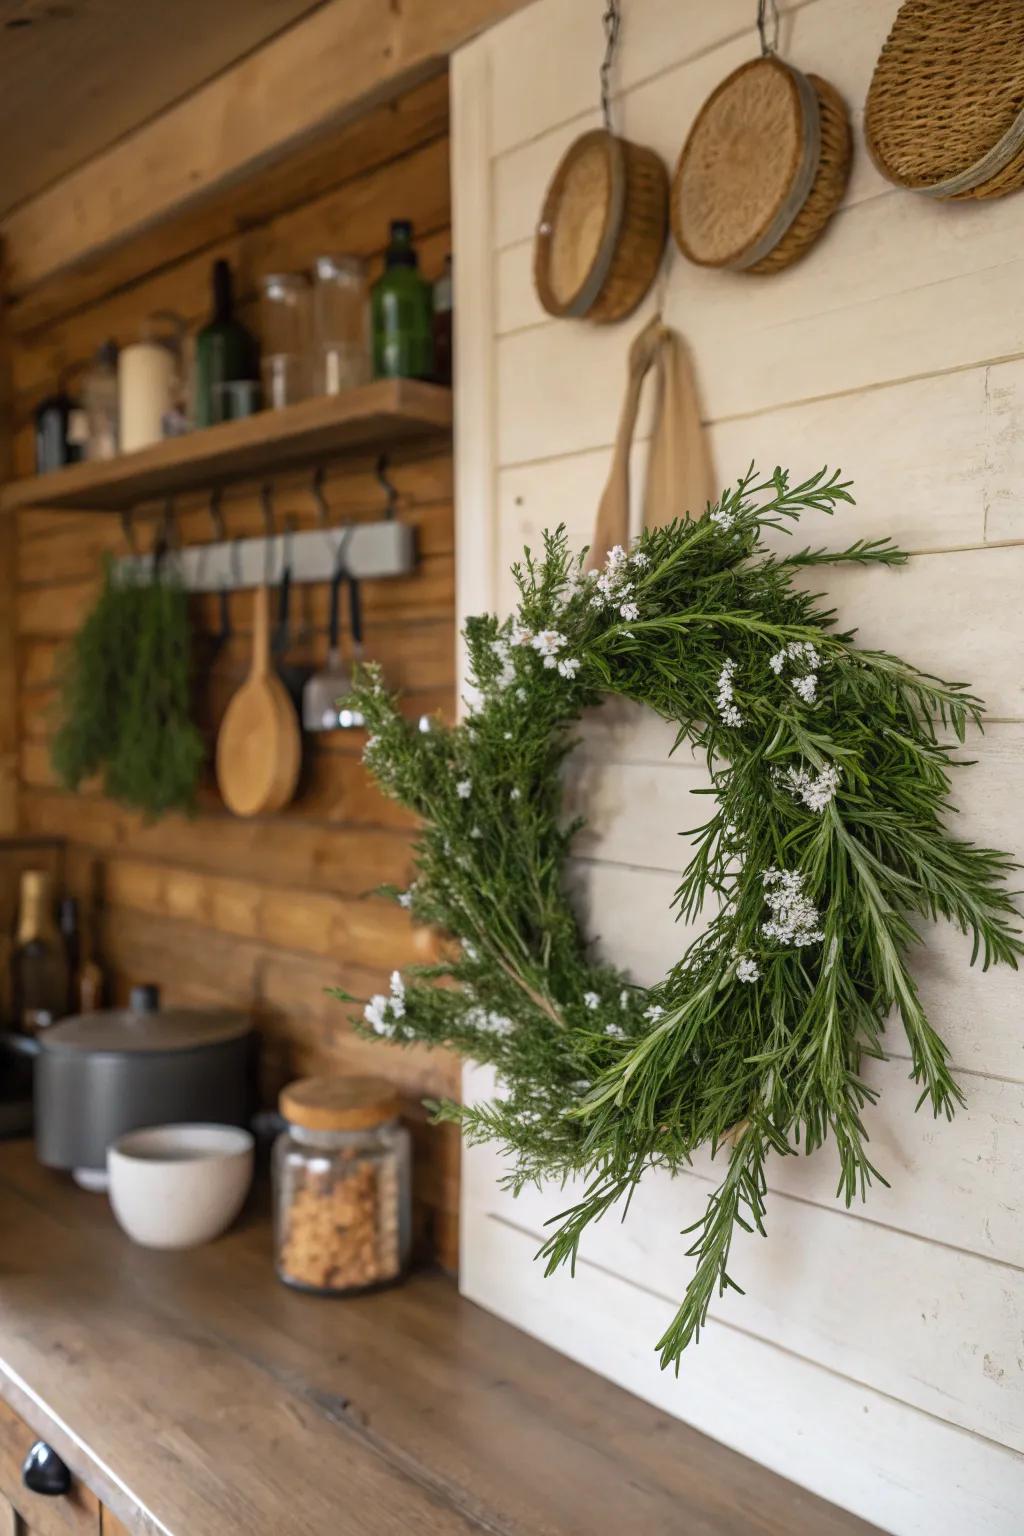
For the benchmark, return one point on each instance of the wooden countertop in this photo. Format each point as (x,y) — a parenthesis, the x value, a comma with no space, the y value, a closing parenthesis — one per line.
(199,1397)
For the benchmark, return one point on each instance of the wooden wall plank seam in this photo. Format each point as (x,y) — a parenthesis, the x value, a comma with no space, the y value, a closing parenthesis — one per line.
(896,351)
(261,915)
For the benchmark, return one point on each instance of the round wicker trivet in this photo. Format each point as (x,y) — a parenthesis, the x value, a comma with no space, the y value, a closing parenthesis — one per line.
(602,229)
(763,169)
(945,109)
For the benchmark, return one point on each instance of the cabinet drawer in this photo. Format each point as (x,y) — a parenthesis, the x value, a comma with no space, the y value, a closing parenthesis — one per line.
(76,1513)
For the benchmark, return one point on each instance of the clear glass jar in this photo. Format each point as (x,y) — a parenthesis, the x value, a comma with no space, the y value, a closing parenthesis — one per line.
(286,339)
(341,324)
(342,1186)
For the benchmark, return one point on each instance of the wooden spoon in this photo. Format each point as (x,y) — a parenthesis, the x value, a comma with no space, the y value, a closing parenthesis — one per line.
(259,748)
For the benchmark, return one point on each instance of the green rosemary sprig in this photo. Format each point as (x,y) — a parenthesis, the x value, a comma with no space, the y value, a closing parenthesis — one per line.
(832,776)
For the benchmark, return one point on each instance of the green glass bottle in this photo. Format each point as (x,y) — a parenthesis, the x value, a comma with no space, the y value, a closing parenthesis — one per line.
(225,352)
(403,342)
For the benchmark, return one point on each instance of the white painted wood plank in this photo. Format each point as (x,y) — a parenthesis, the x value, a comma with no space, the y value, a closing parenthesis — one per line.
(474,345)
(552,396)
(864,1300)
(917,1475)
(898,290)
(959,616)
(930,461)
(536,89)
(627,915)
(669,63)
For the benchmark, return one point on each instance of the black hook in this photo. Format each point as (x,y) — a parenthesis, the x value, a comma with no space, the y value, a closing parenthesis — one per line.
(165,535)
(128,529)
(217,516)
(390,490)
(322,510)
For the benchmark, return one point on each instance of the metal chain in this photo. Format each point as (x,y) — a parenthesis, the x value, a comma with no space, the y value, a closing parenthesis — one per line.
(611,21)
(768,26)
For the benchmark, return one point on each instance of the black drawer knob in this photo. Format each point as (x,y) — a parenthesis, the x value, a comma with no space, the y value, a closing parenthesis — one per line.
(42,1471)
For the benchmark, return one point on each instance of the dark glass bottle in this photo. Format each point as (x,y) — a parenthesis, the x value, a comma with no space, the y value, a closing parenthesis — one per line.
(443,325)
(39,964)
(403,344)
(55,445)
(225,352)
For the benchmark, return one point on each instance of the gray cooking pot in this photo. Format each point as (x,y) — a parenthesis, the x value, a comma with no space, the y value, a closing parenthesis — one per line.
(100,1074)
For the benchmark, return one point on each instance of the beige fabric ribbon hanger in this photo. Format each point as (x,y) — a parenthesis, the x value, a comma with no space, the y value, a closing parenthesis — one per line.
(680,475)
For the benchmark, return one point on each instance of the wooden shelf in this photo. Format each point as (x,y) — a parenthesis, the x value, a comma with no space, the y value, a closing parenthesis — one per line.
(373,417)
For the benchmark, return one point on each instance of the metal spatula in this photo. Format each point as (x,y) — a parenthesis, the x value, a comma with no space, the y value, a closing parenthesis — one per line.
(323,690)
(349,718)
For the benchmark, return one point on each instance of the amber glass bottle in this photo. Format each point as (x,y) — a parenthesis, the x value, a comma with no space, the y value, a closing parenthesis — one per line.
(39,963)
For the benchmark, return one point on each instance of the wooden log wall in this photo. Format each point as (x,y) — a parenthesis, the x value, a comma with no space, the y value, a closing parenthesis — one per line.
(266,914)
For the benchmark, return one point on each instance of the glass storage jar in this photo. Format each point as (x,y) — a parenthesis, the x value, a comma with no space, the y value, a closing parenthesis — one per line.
(341,324)
(342,1188)
(286,339)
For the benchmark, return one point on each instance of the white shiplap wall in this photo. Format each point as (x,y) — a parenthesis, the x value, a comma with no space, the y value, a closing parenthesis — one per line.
(878,1356)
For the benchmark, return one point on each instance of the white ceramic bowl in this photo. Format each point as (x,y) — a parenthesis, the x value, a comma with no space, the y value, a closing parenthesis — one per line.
(176,1186)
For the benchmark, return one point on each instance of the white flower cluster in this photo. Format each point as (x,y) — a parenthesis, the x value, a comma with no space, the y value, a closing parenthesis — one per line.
(548,644)
(464,788)
(613,586)
(816,790)
(383,1013)
(405,897)
(795,918)
(723,518)
(503,651)
(488,1021)
(747,969)
(727,709)
(591,1000)
(654,1012)
(803,659)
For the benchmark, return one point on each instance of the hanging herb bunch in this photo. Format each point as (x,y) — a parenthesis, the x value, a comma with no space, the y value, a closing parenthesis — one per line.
(832,777)
(125,697)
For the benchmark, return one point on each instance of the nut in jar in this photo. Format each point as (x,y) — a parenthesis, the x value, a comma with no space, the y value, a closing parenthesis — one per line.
(341,1185)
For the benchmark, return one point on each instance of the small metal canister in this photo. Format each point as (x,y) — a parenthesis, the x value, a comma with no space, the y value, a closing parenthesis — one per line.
(342,1186)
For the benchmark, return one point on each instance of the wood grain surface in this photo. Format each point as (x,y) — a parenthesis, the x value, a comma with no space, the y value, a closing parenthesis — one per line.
(266,913)
(199,1397)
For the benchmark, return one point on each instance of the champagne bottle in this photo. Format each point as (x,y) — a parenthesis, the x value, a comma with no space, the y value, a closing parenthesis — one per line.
(225,352)
(39,965)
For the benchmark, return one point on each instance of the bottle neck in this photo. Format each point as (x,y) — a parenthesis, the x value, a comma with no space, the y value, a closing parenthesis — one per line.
(35,920)
(222,296)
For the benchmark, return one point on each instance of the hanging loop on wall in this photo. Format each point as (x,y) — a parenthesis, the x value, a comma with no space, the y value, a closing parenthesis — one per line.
(217,516)
(612,23)
(388,486)
(322,509)
(128,529)
(164,540)
(219,535)
(768,27)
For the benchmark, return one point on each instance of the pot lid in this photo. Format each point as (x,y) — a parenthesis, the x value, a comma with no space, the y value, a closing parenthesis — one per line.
(144,1027)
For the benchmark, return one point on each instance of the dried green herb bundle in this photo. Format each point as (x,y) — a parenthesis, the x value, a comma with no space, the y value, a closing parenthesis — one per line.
(125,706)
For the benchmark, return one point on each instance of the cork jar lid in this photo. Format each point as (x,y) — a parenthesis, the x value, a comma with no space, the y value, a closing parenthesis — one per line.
(339,1103)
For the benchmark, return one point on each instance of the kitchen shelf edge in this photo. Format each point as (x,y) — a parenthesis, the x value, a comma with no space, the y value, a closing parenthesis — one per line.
(375,416)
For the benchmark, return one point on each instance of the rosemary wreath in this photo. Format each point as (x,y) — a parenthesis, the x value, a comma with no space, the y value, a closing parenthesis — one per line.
(832,777)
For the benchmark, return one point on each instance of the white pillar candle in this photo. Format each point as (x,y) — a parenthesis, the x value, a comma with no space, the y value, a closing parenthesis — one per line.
(145,377)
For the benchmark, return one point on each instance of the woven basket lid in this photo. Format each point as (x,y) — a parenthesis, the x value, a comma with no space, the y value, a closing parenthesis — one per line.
(580,224)
(339,1103)
(748,165)
(944,108)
